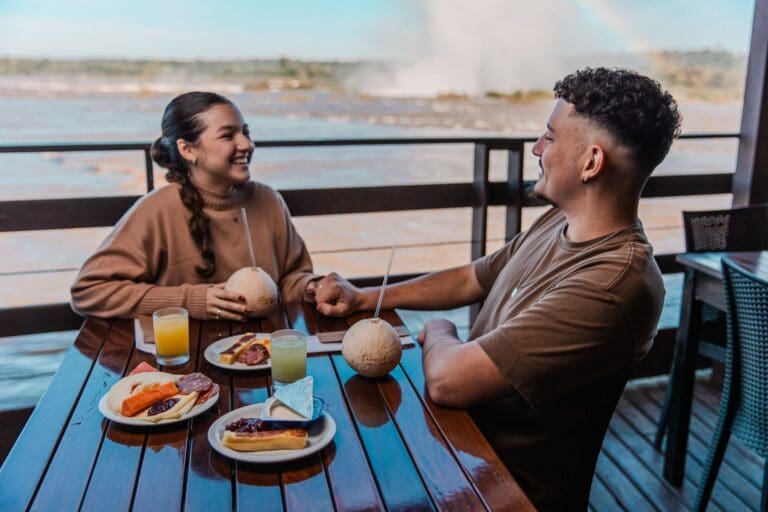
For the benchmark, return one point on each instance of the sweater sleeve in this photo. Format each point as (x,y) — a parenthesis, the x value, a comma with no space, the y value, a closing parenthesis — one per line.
(297,267)
(118,280)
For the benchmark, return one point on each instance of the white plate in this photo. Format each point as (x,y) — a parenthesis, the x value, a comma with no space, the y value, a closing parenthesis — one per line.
(111,415)
(320,434)
(217,347)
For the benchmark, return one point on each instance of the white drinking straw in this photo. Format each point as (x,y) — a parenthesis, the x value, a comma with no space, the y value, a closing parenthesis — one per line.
(248,237)
(384,284)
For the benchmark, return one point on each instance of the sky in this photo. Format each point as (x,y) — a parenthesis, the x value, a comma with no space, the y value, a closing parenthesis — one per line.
(365,29)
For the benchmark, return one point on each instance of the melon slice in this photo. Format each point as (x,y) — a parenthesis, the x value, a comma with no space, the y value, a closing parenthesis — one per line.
(127,386)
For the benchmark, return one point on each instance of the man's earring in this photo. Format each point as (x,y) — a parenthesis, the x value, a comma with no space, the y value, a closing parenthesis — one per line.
(583,181)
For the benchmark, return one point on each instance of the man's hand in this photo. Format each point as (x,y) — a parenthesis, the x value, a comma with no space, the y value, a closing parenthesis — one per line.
(335,296)
(435,330)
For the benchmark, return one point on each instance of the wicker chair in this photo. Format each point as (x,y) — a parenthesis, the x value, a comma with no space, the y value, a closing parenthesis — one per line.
(738,229)
(744,404)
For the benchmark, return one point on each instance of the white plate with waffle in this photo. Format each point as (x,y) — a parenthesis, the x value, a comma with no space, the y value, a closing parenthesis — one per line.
(320,434)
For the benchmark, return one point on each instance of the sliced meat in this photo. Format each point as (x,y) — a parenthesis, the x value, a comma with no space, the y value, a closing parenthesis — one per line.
(194,382)
(256,354)
(239,343)
(203,397)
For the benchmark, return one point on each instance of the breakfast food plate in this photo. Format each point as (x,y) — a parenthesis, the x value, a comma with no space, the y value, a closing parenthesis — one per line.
(320,434)
(148,398)
(213,353)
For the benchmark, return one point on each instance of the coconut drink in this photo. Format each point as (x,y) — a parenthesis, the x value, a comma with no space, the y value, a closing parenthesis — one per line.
(372,347)
(258,288)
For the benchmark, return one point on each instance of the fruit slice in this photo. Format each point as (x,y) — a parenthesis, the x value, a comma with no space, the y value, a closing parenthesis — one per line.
(132,384)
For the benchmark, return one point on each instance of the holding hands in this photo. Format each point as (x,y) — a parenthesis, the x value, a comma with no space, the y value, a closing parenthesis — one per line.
(335,296)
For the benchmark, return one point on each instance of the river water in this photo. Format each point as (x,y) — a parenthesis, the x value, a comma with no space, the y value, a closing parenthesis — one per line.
(357,244)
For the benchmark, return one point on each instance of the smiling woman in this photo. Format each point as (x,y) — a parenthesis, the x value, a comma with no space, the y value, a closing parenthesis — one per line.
(177,245)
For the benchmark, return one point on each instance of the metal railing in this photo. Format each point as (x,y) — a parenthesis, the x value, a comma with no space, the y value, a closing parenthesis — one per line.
(514,194)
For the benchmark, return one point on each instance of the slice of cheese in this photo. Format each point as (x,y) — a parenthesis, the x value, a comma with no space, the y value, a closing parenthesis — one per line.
(185,403)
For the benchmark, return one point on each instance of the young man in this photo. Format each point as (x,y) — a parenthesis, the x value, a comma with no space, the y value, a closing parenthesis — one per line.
(570,306)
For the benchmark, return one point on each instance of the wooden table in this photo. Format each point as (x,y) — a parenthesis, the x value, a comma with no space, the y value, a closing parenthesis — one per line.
(703,285)
(394,448)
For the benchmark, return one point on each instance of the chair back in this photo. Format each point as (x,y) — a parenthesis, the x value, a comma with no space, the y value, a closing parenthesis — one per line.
(738,229)
(746,371)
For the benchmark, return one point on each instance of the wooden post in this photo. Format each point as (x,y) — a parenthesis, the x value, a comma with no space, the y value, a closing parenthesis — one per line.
(750,182)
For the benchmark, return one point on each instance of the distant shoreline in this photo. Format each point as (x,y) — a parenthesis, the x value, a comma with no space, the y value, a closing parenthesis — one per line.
(710,75)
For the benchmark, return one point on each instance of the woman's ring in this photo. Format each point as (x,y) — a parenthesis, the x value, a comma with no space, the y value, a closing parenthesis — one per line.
(218,312)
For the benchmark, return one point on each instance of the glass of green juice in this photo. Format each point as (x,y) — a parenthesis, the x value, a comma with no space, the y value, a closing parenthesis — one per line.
(289,356)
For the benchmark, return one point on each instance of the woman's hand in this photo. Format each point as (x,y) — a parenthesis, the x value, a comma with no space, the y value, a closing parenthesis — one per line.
(221,304)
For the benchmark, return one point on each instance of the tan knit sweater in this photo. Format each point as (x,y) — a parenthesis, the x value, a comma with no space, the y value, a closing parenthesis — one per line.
(148,261)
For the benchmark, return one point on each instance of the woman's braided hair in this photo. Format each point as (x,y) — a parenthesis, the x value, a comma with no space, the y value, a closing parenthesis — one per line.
(181,120)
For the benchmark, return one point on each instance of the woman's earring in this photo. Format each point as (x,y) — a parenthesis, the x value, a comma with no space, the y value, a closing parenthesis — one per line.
(194,162)
(583,181)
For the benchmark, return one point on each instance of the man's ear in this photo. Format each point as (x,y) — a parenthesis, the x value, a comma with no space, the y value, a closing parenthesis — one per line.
(594,163)
(187,151)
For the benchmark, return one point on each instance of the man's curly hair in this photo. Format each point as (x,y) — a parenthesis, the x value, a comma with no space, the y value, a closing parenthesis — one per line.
(630,106)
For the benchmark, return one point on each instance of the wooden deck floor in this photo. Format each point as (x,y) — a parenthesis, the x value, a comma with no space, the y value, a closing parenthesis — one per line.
(629,470)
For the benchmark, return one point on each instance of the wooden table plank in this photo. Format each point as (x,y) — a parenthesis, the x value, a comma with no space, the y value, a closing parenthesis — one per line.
(445,480)
(435,461)
(256,486)
(22,470)
(64,484)
(399,481)
(391,450)
(305,483)
(161,482)
(116,470)
(208,475)
(487,472)
(344,458)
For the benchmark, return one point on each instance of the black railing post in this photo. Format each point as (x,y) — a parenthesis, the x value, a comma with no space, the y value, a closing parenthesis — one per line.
(479,209)
(514,191)
(479,200)
(149,169)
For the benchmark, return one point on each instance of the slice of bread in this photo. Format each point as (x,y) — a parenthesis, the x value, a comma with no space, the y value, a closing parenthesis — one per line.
(287,439)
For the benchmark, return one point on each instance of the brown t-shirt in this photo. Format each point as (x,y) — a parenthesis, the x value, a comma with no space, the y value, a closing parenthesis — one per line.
(565,323)
(148,261)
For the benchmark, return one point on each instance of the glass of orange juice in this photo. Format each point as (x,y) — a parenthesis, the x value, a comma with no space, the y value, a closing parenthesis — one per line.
(171,326)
